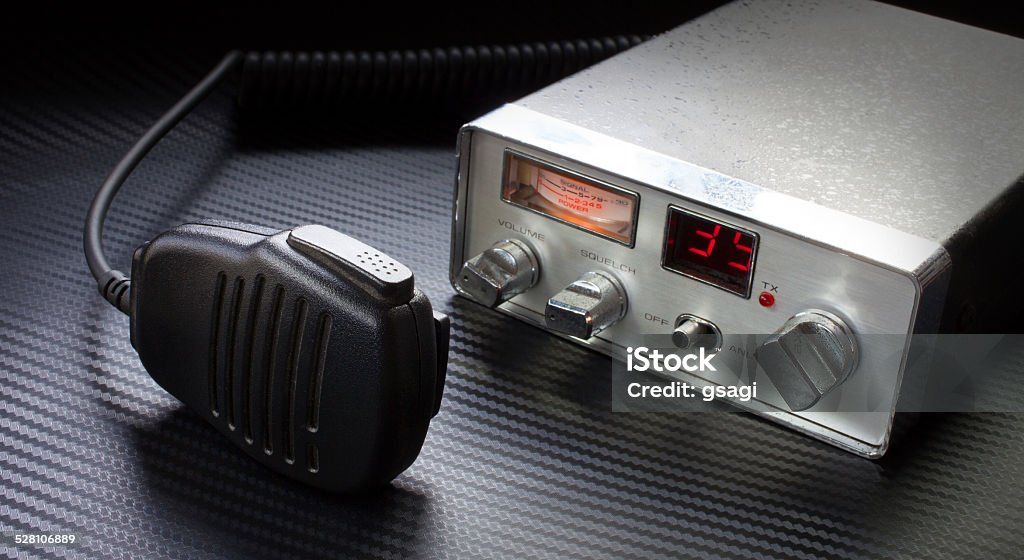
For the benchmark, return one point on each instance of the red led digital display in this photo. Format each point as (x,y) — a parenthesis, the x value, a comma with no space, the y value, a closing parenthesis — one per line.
(710,251)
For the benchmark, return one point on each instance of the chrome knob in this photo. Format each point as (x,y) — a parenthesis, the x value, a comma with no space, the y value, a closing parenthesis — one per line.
(506,269)
(692,333)
(587,306)
(810,355)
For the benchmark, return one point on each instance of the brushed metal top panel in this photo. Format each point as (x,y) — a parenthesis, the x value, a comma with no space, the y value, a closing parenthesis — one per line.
(886,114)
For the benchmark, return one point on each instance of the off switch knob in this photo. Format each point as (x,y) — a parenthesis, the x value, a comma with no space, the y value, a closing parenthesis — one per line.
(810,355)
(587,306)
(692,333)
(504,270)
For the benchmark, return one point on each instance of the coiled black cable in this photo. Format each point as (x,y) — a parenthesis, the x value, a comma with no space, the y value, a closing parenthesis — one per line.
(319,81)
(323,80)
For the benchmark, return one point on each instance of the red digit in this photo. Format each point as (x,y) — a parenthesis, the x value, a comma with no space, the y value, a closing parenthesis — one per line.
(745,249)
(711,243)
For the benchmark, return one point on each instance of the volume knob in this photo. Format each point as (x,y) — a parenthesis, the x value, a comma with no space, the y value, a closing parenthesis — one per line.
(813,353)
(504,270)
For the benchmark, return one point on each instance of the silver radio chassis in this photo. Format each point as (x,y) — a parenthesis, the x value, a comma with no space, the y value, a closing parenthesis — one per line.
(876,152)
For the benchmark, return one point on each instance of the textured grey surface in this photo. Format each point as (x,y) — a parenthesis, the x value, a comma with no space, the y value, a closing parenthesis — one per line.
(890,115)
(523,460)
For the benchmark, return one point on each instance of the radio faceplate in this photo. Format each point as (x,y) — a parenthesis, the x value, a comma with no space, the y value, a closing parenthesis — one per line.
(870,277)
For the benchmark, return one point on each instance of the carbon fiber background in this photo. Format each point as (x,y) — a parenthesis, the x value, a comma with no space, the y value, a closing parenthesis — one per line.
(523,460)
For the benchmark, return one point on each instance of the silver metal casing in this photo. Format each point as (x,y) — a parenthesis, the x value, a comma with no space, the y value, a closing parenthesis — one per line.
(870,148)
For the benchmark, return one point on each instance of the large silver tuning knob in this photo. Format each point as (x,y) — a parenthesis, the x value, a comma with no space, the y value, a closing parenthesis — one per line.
(506,269)
(810,355)
(587,306)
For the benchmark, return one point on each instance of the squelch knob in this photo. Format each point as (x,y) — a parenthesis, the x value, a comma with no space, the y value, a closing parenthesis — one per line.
(506,269)
(810,355)
(587,306)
